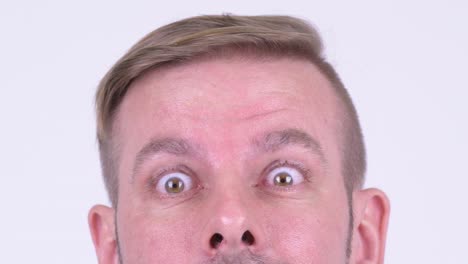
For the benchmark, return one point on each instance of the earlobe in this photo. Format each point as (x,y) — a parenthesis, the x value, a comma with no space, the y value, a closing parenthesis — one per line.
(371,213)
(102,227)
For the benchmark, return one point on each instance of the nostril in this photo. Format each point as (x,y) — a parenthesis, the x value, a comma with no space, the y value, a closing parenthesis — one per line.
(215,240)
(248,238)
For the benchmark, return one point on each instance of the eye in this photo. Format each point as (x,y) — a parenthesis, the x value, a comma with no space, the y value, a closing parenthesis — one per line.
(284,176)
(174,183)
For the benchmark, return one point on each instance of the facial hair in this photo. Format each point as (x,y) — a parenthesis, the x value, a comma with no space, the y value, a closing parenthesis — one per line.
(243,257)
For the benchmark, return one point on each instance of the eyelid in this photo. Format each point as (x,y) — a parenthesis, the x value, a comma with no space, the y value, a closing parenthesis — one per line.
(286,163)
(178,168)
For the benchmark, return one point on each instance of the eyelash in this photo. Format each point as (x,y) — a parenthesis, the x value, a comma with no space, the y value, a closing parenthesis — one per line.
(286,163)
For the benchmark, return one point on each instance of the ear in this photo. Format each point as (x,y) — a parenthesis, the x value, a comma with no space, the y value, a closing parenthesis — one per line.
(102,226)
(371,213)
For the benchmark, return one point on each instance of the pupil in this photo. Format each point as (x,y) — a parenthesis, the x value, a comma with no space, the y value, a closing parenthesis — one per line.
(174,185)
(283,179)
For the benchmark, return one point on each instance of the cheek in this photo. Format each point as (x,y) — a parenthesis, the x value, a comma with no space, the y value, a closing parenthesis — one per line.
(308,236)
(155,239)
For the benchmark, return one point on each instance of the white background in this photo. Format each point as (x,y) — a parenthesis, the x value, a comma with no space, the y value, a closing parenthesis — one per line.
(404,62)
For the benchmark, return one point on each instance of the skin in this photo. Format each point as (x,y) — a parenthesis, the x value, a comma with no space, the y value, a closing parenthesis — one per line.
(229,114)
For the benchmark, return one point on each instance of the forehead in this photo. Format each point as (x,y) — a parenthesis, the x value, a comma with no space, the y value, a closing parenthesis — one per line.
(227,100)
(232,88)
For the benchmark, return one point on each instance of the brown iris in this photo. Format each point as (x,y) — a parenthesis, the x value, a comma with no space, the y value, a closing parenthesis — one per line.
(283,179)
(174,185)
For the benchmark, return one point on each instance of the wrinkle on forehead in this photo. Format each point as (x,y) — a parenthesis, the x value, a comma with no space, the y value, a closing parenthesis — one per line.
(219,87)
(230,97)
(242,114)
(254,116)
(223,108)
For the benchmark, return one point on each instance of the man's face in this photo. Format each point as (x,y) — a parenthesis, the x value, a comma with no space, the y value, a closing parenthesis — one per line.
(231,161)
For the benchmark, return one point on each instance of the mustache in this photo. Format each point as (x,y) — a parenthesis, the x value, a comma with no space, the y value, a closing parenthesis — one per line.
(242,257)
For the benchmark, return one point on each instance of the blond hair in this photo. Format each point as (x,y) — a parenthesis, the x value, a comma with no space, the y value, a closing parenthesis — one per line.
(215,35)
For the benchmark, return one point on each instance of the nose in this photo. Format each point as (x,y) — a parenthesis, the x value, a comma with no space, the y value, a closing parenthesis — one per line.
(217,239)
(232,226)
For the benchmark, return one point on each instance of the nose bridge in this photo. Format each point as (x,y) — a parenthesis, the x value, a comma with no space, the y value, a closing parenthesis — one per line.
(230,208)
(231,192)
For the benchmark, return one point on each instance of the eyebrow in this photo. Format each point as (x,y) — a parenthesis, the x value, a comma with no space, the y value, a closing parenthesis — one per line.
(270,142)
(174,146)
(276,140)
